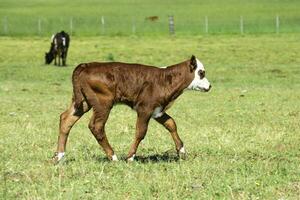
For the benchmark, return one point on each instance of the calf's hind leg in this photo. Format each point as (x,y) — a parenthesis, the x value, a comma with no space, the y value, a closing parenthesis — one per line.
(64,57)
(67,120)
(97,127)
(169,123)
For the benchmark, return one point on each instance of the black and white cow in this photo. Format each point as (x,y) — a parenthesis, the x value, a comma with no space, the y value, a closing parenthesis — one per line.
(59,48)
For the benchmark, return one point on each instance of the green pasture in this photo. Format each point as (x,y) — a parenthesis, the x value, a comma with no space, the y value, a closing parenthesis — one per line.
(127,17)
(242,138)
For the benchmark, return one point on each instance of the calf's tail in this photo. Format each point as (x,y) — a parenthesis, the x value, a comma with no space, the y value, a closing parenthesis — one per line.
(78,97)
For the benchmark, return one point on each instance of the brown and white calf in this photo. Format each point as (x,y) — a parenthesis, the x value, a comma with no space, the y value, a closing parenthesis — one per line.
(148,90)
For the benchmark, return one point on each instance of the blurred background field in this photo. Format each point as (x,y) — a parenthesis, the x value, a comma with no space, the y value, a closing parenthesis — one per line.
(118,17)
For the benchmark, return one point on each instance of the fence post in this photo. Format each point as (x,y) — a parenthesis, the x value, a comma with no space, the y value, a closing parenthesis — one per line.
(102,25)
(5,29)
(171,25)
(277,24)
(133,27)
(241,25)
(39,27)
(206,24)
(71,26)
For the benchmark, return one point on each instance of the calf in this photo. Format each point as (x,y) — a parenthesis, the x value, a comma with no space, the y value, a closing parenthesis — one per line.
(59,48)
(150,91)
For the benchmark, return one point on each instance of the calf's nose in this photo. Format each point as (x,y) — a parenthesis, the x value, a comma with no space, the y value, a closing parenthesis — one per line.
(208,88)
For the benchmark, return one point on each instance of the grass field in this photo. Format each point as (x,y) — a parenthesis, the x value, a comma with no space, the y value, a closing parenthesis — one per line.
(242,138)
(20,17)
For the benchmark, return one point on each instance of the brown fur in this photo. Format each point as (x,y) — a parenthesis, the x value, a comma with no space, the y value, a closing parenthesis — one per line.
(143,88)
(132,84)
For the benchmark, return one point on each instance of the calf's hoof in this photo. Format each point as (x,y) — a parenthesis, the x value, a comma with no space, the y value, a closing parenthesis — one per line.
(58,158)
(182,154)
(114,158)
(130,159)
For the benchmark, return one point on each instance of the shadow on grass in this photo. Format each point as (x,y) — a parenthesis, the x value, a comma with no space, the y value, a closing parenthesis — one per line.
(168,156)
(156,158)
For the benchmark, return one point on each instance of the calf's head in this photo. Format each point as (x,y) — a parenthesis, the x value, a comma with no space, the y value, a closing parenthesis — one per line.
(48,57)
(200,82)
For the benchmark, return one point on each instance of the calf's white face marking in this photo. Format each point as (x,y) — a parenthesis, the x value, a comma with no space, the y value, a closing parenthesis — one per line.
(199,83)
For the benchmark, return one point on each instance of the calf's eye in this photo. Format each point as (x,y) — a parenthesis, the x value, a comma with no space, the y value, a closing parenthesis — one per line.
(201,74)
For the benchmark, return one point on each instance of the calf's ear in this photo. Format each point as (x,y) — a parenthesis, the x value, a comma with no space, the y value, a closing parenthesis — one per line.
(193,63)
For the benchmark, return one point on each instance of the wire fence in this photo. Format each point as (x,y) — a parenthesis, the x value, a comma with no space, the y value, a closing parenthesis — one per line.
(152,25)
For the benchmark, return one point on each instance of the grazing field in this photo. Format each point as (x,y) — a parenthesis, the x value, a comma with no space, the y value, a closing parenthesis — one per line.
(242,138)
(127,17)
